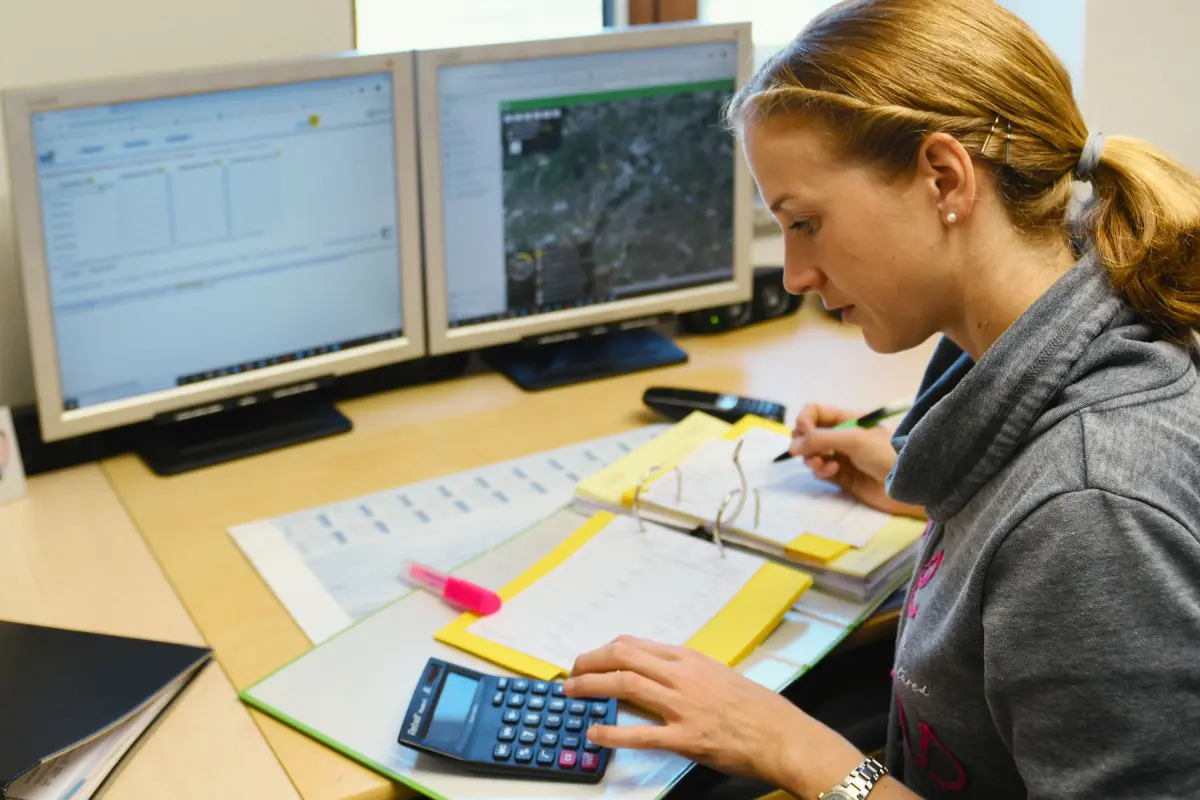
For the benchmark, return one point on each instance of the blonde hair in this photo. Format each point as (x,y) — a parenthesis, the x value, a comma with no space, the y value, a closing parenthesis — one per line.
(883,74)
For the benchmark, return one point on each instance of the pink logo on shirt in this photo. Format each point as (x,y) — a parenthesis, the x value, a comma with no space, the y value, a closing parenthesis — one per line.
(927,572)
(950,774)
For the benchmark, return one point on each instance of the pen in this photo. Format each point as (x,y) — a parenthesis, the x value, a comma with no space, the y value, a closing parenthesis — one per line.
(455,591)
(868,420)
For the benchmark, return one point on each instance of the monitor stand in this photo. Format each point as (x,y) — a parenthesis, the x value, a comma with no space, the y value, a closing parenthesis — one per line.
(170,448)
(534,366)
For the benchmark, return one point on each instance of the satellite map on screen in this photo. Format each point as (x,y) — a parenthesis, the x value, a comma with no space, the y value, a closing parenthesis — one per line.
(614,195)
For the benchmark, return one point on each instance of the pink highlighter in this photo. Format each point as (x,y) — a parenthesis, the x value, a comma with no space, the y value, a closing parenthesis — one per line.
(455,591)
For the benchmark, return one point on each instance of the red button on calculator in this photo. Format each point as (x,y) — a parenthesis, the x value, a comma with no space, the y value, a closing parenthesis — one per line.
(589,762)
(566,759)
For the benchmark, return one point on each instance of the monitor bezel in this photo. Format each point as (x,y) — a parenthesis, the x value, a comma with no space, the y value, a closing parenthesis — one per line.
(19,108)
(445,339)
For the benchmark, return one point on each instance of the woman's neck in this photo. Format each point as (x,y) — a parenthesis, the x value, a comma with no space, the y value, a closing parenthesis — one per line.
(998,286)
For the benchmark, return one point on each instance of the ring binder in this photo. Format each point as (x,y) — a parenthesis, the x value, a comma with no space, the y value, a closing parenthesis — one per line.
(635,505)
(716,531)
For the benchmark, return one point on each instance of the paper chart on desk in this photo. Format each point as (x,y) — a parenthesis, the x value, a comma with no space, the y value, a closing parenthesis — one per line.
(656,584)
(791,500)
(332,565)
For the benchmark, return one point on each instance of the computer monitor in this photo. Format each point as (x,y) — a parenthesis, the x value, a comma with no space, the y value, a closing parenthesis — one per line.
(204,242)
(582,185)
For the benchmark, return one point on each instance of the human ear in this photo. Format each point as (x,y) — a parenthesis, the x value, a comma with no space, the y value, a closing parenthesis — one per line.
(945,168)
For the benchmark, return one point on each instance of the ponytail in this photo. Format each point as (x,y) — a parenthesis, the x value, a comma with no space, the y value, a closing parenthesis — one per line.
(1143,221)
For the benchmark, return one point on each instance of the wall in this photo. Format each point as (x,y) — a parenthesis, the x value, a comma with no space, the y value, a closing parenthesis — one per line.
(53,41)
(1142,70)
(1062,25)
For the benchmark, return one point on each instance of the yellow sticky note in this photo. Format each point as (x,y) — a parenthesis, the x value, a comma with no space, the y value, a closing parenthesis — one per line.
(810,547)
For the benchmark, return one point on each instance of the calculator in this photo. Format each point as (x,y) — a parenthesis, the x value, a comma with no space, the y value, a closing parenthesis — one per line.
(506,726)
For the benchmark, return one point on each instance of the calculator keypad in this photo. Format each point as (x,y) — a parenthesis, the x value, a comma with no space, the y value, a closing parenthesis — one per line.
(557,737)
(517,726)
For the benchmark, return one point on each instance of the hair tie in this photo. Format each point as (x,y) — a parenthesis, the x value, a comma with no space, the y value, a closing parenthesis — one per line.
(1089,159)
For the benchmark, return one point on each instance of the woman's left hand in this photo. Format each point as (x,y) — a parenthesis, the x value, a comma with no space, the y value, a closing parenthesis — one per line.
(711,714)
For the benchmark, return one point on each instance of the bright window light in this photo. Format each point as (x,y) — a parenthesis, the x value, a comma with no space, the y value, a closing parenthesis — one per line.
(774,22)
(408,24)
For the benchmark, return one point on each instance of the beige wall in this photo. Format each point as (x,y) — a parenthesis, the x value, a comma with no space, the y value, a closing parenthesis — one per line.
(51,41)
(1142,73)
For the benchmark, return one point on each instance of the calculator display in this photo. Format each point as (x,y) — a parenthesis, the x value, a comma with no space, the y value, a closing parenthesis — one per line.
(453,706)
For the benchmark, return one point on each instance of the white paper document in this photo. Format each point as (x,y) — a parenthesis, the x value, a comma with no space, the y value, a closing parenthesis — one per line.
(783,499)
(78,773)
(334,564)
(658,584)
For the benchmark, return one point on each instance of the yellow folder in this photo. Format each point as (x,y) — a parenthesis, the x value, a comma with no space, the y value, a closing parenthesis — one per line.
(743,624)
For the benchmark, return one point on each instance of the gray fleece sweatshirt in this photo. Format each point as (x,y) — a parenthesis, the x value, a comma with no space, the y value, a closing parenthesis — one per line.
(1050,641)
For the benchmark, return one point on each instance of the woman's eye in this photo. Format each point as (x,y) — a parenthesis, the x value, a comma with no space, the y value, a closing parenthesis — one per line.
(802,225)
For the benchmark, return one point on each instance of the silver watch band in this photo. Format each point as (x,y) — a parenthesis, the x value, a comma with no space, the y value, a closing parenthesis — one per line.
(862,779)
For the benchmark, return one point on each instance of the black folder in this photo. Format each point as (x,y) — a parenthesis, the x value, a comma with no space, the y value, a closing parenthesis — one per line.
(65,689)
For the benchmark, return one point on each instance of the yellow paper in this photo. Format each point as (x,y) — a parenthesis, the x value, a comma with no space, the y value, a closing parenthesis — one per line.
(810,547)
(891,540)
(611,484)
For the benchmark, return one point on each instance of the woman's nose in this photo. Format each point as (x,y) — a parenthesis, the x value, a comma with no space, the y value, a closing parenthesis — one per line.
(799,275)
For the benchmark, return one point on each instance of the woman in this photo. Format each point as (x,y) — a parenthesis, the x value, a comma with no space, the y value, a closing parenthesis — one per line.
(921,156)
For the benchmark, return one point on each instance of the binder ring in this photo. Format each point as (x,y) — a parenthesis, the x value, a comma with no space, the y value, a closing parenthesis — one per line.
(720,516)
(641,485)
(744,490)
(637,498)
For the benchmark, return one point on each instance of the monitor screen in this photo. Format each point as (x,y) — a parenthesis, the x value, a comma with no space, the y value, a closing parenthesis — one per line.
(193,237)
(578,180)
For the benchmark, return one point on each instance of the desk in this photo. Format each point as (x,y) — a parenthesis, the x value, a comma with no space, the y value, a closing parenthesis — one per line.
(417,433)
(70,557)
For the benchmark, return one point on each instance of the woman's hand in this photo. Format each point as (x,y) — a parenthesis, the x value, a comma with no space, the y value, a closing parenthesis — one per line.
(711,714)
(856,459)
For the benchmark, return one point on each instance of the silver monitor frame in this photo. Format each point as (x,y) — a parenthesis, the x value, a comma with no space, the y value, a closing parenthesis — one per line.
(443,338)
(20,106)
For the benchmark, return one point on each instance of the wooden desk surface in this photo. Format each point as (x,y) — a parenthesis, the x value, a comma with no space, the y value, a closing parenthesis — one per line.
(70,557)
(417,433)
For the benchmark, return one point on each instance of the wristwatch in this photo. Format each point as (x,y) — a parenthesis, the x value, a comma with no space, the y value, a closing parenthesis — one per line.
(858,784)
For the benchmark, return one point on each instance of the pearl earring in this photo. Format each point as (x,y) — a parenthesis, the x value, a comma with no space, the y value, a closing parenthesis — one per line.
(951,218)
